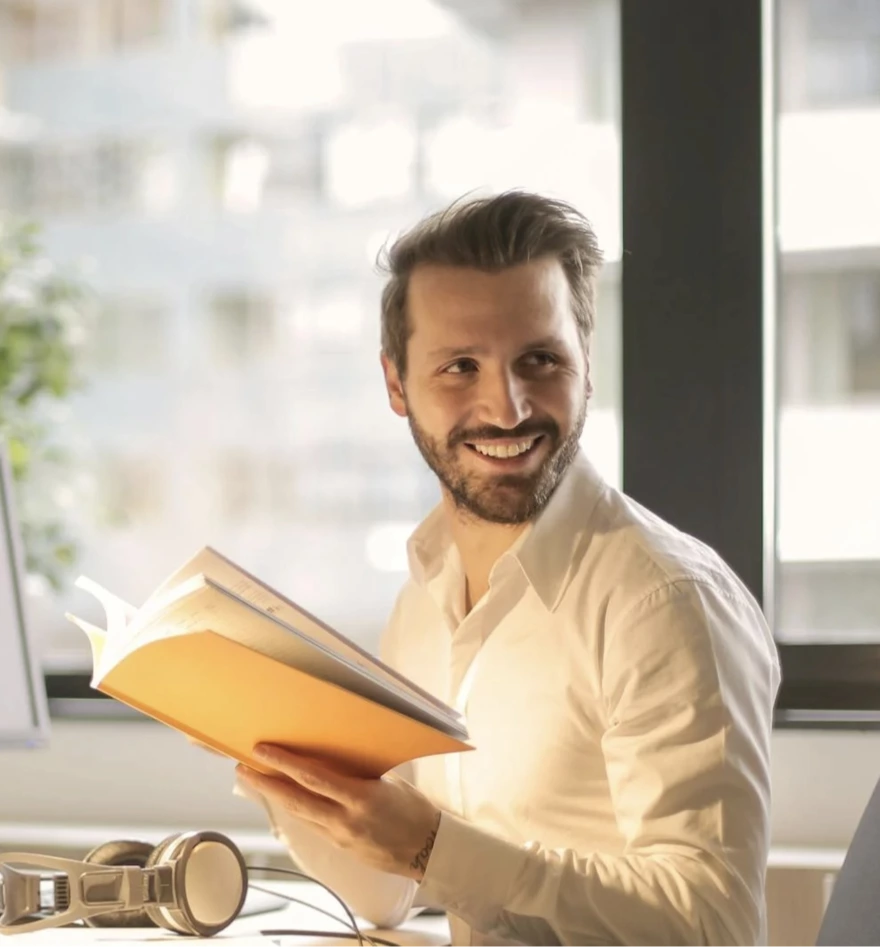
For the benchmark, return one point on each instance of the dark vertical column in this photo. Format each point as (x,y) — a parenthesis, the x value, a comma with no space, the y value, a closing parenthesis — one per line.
(692,270)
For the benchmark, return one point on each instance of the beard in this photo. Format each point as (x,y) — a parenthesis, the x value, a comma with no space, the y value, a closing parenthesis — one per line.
(506,499)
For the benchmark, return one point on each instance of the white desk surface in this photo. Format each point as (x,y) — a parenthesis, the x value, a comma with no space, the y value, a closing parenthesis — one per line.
(25,836)
(245,931)
(812,858)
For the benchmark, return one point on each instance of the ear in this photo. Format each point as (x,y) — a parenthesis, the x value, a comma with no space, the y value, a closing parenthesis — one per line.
(394,386)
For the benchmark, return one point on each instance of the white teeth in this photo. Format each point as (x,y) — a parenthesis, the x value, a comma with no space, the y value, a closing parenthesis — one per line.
(504,450)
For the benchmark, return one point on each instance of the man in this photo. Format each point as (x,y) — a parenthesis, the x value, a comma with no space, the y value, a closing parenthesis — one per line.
(616,677)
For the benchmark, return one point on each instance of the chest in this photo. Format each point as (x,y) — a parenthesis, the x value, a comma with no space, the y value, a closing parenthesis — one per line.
(526,682)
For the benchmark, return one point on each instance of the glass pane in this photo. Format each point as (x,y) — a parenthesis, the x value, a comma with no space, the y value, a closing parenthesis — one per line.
(227,173)
(828,570)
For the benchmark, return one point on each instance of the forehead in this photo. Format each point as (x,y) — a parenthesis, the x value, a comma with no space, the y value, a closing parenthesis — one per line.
(461,302)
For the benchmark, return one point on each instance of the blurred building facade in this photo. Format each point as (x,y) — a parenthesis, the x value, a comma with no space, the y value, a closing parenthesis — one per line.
(227,171)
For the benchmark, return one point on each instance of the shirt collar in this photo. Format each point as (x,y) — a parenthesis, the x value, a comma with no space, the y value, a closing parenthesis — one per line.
(547,553)
(550,550)
(429,547)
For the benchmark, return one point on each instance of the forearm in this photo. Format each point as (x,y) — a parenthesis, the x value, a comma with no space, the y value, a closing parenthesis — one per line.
(532,895)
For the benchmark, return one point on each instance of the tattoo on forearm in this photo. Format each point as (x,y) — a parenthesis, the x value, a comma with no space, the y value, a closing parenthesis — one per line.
(420,862)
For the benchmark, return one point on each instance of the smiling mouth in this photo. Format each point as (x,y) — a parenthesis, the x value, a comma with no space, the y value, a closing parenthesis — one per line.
(505,450)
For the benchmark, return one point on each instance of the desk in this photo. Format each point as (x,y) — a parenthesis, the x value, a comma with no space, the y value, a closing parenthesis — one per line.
(245,931)
(799,878)
(807,858)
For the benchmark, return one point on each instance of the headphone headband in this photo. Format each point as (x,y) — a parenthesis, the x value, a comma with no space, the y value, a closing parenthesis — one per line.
(192,883)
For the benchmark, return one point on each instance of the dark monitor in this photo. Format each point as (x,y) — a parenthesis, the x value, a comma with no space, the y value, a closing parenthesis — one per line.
(24,715)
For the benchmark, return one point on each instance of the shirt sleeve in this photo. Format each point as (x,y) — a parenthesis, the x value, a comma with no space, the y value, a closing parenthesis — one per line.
(689,677)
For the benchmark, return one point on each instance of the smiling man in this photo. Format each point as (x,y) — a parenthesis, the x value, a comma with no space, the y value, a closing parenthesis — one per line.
(616,677)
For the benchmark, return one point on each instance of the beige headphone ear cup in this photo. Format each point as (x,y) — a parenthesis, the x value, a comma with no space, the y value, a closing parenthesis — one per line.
(113,854)
(210,883)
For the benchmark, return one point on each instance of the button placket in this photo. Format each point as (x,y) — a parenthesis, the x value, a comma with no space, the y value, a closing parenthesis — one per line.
(465,656)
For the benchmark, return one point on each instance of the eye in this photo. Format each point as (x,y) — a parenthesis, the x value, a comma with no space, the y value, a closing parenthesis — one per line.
(540,359)
(460,366)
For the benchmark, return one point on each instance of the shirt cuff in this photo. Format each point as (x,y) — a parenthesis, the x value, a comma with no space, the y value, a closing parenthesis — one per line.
(471,872)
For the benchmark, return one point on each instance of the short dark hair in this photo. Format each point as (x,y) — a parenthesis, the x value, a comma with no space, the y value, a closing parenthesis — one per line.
(491,233)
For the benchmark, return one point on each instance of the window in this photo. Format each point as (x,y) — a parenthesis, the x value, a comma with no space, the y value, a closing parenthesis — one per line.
(219,18)
(372,160)
(267,173)
(55,30)
(828,541)
(829,54)
(230,206)
(133,23)
(16,178)
(16,32)
(260,260)
(76,177)
(831,330)
(129,488)
(52,31)
(129,336)
(233,473)
(242,328)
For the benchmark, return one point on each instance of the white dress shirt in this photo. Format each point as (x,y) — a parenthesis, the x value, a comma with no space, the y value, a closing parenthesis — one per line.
(618,682)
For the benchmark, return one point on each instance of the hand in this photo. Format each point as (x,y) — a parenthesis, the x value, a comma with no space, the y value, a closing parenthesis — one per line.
(385,822)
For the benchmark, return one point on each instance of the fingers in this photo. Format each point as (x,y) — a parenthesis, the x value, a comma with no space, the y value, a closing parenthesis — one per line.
(317,778)
(294,798)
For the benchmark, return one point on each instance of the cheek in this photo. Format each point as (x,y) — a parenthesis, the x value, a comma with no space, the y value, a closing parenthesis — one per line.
(562,402)
(439,410)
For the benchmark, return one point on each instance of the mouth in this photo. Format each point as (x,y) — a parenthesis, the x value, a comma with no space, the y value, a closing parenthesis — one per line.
(507,452)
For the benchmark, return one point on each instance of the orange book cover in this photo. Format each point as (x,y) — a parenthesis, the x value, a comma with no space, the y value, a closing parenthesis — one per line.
(231,669)
(231,698)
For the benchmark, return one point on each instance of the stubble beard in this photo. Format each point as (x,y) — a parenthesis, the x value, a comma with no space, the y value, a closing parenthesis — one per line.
(504,499)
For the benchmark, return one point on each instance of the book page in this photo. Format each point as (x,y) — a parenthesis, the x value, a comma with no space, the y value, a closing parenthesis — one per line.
(202,563)
(97,642)
(207,606)
(216,567)
(117,612)
(124,622)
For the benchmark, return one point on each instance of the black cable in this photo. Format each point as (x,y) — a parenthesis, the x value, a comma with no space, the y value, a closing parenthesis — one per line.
(294,933)
(305,877)
(306,904)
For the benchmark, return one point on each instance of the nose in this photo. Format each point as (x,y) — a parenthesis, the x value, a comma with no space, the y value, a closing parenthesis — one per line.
(504,399)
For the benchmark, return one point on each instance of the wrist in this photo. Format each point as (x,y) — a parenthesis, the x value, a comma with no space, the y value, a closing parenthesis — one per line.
(419,863)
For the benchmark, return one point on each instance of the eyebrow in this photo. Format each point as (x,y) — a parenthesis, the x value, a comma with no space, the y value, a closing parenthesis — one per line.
(549,342)
(454,352)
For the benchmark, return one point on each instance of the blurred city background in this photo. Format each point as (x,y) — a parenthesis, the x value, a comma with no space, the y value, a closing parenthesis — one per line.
(223,174)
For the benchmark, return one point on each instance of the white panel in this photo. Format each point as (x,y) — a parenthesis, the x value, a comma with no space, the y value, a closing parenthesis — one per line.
(23,714)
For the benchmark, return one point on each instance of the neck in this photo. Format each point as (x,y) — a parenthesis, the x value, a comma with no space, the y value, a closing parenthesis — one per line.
(480,545)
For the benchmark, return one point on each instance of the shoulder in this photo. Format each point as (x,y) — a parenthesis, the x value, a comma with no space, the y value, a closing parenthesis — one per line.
(638,571)
(664,618)
(639,556)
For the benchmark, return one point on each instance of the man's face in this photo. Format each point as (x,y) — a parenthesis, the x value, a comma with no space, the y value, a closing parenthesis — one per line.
(496,384)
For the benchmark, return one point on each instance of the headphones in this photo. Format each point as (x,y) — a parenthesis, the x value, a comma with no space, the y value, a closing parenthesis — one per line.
(191,883)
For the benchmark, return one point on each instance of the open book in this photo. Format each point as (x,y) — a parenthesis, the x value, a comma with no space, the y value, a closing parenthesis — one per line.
(225,659)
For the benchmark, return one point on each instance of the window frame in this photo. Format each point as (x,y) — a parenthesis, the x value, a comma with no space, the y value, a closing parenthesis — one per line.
(698,116)
(699,236)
